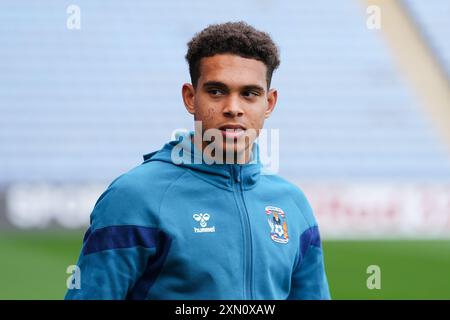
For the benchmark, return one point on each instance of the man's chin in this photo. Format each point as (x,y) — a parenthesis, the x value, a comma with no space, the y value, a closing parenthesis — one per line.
(235,147)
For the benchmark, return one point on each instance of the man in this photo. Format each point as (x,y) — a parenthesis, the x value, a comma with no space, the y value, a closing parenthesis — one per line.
(195,222)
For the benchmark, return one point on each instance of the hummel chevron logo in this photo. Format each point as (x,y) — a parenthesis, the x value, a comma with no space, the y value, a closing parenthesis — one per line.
(203,218)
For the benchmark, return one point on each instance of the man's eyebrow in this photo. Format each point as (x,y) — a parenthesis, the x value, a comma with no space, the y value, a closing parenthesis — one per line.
(219,84)
(214,84)
(254,87)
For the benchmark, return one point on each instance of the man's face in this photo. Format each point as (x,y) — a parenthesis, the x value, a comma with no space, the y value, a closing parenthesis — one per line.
(231,96)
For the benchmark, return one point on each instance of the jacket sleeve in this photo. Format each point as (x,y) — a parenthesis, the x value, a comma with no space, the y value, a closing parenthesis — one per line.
(120,258)
(309,281)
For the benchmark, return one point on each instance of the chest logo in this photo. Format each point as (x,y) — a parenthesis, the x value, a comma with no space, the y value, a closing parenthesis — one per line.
(202,219)
(277,222)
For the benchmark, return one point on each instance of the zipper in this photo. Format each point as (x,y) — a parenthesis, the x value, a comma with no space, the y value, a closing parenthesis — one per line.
(245,220)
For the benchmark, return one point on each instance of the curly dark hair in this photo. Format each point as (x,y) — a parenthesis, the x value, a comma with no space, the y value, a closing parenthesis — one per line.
(236,38)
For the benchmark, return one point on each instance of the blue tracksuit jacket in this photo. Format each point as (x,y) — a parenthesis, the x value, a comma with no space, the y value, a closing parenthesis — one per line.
(199,231)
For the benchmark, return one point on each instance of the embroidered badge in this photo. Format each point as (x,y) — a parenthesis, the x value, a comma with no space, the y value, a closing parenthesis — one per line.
(277,222)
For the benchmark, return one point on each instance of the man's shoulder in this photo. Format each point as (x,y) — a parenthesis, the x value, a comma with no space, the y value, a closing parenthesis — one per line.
(134,197)
(277,183)
(148,175)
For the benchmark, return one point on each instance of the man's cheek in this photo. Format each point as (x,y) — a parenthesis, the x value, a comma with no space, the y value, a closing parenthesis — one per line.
(210,115)
(255,124)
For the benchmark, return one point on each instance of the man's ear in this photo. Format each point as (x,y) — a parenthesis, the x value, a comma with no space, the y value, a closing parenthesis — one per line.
(272,96)
(188,94)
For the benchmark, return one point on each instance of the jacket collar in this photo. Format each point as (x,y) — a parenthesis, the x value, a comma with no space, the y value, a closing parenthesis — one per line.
(184,153)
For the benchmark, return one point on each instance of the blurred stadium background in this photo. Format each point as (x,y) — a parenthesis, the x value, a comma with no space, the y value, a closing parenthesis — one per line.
(364,117)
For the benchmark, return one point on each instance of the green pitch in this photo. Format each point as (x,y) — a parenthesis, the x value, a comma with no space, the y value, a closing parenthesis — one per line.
(33,266)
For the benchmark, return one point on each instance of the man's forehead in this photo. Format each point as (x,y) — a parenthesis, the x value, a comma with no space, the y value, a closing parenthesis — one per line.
(233,70)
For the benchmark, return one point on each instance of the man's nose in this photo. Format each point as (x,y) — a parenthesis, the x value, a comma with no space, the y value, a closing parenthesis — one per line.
(233,107)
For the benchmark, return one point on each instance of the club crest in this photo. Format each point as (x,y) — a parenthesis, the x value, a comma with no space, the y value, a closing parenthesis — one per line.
(277,222)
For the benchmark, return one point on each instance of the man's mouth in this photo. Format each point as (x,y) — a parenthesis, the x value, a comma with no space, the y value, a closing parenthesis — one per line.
(232,131)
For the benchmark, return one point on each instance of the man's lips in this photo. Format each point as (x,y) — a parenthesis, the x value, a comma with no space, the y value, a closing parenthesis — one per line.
(232,131)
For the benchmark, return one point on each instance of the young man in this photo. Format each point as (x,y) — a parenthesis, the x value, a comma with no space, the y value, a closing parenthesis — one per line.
(193,222)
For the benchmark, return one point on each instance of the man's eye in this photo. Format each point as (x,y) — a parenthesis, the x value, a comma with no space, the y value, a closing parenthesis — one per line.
(215,92)
(251,94)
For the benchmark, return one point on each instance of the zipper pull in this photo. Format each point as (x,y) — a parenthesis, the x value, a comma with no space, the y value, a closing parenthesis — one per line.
(238,174)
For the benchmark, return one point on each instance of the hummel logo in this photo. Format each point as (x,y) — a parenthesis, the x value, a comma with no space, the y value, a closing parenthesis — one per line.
(203,218)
